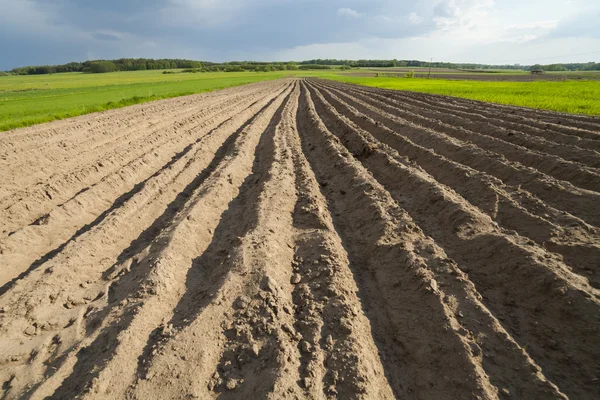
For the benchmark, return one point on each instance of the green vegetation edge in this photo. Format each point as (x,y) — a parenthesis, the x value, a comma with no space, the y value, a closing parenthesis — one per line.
(24,104)
(29,100)
(573,97)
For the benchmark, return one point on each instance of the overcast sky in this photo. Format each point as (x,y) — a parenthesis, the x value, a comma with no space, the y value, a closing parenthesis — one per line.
(35,32)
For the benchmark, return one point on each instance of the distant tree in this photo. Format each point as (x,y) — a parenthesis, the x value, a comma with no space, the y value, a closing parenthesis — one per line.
(100,67)
(233,68)
(536,67)
(313,66)
(555,67)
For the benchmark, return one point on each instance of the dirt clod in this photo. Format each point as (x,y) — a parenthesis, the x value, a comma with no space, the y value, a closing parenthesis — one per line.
(296,278)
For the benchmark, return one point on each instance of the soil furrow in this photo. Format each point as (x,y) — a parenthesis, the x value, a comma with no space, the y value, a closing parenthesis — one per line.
(24,207)
(68,155)
(572,149)
(578,175)
(580,125)
(376,238)
(548,131)
(40,241)
(494,260)
(233,307)
(301,238)
(570,237)
(558,194)
(101,284)
(328,313)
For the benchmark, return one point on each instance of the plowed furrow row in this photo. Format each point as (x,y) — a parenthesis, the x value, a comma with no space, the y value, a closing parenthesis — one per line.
(550,228)
(239,288)
(548,131)
(578,175)
(99,288)
(374,235)
(558,194)
(573,149)
(32,245)
(49,160)
(493,259)
(27,206)
(88,127)
(327,308)
(577,125)
(301,238)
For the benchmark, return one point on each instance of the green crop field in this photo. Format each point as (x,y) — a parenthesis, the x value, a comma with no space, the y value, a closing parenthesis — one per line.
(32,99)
(577,97)
(28,100)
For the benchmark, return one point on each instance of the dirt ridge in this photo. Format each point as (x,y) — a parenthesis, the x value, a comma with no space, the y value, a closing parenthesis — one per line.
(302,238)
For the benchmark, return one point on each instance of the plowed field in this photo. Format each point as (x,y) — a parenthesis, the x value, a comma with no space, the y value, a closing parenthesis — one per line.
(302,239)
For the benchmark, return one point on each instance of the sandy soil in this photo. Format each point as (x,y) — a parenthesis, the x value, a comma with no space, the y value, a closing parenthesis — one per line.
(302,239)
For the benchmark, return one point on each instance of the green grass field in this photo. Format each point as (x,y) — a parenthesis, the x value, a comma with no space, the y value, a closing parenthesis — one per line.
(576,97)
(28,100)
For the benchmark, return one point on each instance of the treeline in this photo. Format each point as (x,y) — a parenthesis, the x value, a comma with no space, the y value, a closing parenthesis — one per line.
(351,63)
(140,64)
(241,67)
(249,66)
(98,66)
(397,63)
(589,66)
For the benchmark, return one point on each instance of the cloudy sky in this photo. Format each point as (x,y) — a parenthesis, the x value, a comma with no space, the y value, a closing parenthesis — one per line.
(34,32)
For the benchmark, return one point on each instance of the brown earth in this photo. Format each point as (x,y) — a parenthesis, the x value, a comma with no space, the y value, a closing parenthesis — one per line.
(302,239)
(488,77)
(415,69)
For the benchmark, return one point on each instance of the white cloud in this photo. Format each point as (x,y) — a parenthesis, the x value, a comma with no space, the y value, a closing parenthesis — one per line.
(414,18)
(534,25)
(348,12)
(473,31)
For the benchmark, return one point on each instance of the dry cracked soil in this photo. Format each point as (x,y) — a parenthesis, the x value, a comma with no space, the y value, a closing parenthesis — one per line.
(302,238)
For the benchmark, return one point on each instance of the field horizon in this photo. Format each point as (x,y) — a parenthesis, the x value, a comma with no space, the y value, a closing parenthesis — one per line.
(26,100)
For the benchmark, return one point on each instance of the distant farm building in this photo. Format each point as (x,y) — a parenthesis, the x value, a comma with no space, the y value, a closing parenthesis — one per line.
(537,72)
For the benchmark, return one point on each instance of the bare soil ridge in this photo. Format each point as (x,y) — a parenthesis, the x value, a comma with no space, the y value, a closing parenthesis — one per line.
(302,239)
